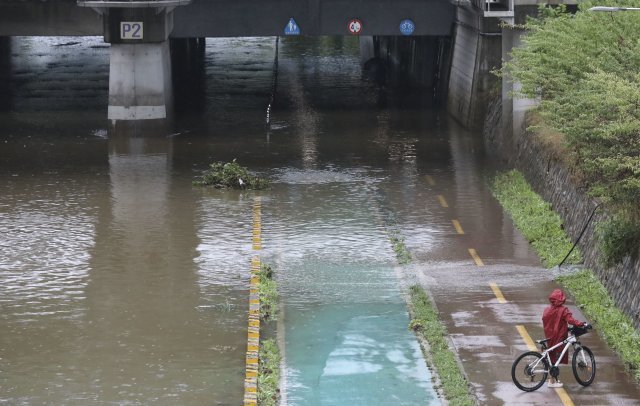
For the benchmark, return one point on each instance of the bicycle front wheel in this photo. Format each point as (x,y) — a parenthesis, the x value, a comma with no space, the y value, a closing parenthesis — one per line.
(529,371)
(584,366)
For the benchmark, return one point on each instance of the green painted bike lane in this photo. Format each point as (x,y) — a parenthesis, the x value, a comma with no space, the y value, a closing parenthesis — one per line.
(344,320)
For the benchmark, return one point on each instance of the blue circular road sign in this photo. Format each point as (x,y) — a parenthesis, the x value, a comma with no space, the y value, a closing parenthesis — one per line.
(407,27)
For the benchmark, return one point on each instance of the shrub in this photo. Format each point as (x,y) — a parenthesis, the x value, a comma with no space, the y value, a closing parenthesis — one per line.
(618,237)
(584,70)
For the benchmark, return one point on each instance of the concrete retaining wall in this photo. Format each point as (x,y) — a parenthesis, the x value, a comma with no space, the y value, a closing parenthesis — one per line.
(476,52)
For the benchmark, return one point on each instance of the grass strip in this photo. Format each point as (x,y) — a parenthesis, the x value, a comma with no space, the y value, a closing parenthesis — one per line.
(269,373)
(268,292)
(535,219)
(399,247)
(269,354)
(426,323)
(616,328)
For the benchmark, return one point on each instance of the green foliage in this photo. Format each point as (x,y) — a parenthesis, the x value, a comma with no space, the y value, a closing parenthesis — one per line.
(425,321)
(534,218)
(230,175)
(268,292)
(584,69)
(612,324)
(269,373)
(618,237)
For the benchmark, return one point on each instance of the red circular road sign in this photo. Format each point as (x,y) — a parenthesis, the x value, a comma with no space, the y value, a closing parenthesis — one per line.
(355,26)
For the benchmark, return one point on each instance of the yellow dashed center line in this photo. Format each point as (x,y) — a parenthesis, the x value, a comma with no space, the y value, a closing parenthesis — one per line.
(476,257)
(443,201)
(457,226)
(253,331)
(562,394)
(430,180)
(497,292)
(564,397)
(531,346)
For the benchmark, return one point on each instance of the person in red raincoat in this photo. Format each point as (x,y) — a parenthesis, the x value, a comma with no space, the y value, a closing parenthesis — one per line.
(555,320)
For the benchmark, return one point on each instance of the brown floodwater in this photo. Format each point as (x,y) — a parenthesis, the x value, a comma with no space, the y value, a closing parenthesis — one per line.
(122,283)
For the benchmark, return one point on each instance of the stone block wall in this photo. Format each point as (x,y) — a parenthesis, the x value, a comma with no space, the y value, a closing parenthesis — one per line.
(555,183)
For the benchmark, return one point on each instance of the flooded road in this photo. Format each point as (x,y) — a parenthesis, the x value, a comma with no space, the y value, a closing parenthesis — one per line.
(122,283)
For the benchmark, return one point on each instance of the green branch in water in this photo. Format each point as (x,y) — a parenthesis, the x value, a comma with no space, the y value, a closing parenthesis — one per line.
(230,175)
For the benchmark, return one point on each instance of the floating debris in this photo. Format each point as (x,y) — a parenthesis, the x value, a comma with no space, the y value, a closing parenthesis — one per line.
(223,175)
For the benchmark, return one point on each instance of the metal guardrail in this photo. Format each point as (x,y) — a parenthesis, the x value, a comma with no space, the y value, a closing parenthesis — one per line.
(496,8)
(132,3)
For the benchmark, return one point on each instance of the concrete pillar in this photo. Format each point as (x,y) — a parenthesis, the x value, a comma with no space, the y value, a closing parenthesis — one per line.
(5,73)
(140,82)
(140,86)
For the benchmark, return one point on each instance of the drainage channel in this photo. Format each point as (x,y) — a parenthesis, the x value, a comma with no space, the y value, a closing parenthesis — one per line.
(345,331)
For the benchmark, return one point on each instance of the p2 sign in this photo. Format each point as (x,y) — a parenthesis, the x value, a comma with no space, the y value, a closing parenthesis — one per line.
(131,30)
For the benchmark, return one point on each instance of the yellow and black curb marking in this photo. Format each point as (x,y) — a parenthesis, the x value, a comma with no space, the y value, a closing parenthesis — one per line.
(253,336)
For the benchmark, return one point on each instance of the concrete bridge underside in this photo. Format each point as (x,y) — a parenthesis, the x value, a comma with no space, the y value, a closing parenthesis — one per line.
(238,18)
(444,52)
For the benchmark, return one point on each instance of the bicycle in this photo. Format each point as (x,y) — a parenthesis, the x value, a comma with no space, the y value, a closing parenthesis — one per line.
(530,370)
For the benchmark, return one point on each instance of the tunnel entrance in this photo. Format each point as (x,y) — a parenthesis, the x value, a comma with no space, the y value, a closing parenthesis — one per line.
(417,66)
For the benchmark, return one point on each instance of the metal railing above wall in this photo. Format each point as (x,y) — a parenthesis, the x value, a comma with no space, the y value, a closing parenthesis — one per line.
(503,9)
(132,3)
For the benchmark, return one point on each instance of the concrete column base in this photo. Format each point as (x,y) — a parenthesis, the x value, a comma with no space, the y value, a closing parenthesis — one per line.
(140,82)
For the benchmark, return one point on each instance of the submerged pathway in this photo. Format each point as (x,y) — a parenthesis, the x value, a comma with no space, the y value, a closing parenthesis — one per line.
(345,339)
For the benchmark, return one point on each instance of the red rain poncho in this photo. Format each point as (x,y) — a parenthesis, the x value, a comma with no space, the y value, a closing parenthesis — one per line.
(554,320)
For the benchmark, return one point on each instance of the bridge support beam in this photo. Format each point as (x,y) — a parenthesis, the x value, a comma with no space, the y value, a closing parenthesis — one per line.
(140,82)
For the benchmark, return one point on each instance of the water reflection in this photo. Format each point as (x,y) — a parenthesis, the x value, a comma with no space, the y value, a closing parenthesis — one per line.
(154,332)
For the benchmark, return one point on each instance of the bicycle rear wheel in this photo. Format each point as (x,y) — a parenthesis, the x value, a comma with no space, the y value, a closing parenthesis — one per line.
(584,366)
(529,371)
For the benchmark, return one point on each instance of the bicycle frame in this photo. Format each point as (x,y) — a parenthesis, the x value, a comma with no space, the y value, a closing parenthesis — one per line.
(531,374)
(571,339)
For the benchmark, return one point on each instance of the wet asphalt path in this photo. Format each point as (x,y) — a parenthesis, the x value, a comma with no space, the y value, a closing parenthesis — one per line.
(482,319)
